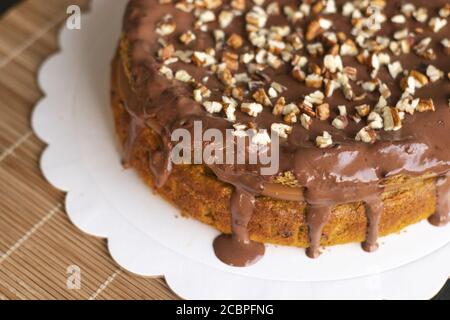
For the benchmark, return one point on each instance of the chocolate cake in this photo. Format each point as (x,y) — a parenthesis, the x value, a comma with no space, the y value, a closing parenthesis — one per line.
(356,92)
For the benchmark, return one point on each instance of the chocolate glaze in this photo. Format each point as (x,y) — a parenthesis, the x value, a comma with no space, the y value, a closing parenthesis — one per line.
(348,172)
(374,209)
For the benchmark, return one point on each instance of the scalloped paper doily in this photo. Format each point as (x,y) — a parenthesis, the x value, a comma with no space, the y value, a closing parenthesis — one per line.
(145,234)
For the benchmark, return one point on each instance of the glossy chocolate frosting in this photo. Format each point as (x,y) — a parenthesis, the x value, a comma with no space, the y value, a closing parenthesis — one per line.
(347,171)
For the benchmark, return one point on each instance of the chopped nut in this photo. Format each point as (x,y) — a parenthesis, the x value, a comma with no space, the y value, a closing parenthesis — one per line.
(348,9)
(375,120)
(291,108)
(261,138)
(323,111)
(342,110)
(238,5)
(407,104)
(242,77)
(307,108)
(408,9)
(273,9)
(201,92)
(367,135)
(298,74)
(348,92)
(324,141)
(247,58)
(315,98)
(401,34)
(395,69)
(425,105)
(421,14)
(340,122)
(420,78)
(187,37)
(278,87)
(305,121)
(219,38)
(333,63)
(273,61)
(444,12)
(279,106)
(392,120)
(290,118)
(166,27)
(166,52)
(167,72)
(437,24)
(235,41)
(213,106)
(184,6)
(212,4)
(261,97)
(252,109)
(231,60)
(256,18)
(422,45)
(363,110)
(229,106)
(207,16)
(384,90)
(281,129)
(348,48)
(226,77)
(384,58)
(225,18)
(446,44)
(314,81)
(399,19)
(272,92)
(183,76)
(238,93)
(314,29)
(370,86)
(330,86)
(202,59)
(315,49)
(434,73)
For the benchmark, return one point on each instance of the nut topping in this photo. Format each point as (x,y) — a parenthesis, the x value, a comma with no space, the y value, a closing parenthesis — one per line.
(324,141)
(237,65)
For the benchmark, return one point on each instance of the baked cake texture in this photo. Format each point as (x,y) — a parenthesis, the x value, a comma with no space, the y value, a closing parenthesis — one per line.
(357,92)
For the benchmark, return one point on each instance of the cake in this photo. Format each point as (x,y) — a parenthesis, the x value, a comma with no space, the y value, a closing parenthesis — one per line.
(354,93)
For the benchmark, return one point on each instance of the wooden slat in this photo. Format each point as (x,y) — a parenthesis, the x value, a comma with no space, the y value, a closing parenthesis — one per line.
(37,240)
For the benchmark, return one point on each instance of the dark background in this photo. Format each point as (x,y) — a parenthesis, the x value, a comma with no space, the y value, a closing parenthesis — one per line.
(5,4)
(445,292)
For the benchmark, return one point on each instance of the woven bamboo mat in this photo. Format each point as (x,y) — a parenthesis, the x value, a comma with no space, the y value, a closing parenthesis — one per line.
(37,241)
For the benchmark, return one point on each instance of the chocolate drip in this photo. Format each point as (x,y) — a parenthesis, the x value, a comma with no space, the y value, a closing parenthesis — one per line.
(316,218)
(442,215)
(237,249)
(374,209)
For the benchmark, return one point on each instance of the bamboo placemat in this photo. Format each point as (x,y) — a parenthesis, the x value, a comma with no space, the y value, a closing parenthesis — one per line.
(37,241)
